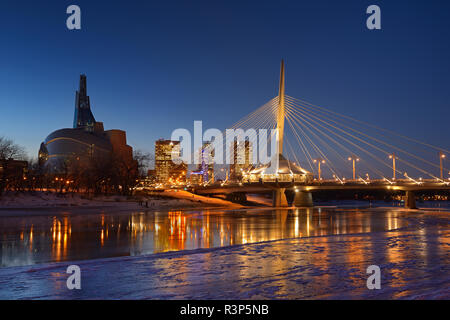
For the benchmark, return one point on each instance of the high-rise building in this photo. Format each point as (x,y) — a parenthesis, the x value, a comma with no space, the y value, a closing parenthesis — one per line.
(166,170)
(207,162)
(83,117)
(242,158)
(205,170)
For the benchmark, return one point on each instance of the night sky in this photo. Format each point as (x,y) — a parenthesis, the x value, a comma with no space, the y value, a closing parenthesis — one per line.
(154,66)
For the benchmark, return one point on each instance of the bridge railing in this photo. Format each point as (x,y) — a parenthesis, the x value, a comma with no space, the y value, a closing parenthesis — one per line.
(282,178)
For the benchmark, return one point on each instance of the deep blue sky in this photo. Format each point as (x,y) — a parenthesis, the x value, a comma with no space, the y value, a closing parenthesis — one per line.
(154,66)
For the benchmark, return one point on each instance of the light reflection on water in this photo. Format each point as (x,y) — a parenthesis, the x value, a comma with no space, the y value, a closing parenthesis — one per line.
(40,239)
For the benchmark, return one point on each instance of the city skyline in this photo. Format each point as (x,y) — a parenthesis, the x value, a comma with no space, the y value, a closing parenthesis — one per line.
(399,84)
(231,156)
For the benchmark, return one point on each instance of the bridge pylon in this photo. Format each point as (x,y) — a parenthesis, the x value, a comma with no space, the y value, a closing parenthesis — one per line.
(280,173)
(410,200)
(281,109)
(279,198)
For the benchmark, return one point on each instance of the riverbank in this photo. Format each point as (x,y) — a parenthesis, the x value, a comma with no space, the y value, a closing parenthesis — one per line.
(41,202)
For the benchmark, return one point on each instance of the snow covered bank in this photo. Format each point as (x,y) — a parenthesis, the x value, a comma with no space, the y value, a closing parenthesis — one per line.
(185,195)
(13,202)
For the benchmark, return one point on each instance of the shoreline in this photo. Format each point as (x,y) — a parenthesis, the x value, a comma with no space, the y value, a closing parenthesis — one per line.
(40,203)
(101,209)
(111,207)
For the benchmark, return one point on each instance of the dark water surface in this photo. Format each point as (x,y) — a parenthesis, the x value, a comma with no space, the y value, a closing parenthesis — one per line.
(28,240)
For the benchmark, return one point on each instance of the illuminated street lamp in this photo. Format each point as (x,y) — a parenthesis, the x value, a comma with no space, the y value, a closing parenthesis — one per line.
(441,159)
(226,173)
(354,159)
(319,161)
(393,157)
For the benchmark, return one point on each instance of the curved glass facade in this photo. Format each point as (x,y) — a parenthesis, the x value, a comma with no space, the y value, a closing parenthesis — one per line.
(65,143)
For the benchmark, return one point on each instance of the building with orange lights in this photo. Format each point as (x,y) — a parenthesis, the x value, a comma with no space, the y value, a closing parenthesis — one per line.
(166,170)
(242,159)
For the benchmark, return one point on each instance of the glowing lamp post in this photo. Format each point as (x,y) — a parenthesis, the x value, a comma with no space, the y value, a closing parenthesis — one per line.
(354,159)
(393,157)
(319,161)
(441,159)
(226,173)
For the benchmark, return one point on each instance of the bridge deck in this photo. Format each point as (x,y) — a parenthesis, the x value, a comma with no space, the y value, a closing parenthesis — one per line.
(326,185)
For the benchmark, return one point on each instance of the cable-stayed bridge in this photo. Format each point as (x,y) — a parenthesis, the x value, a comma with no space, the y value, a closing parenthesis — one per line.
(319,149)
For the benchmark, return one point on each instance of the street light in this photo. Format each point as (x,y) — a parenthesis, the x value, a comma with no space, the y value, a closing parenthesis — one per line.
(319,161)
(393,157)
(226,173)
(354,159)
(441,159)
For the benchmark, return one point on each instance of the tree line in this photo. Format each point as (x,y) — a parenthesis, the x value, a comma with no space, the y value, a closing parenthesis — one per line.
(92,175)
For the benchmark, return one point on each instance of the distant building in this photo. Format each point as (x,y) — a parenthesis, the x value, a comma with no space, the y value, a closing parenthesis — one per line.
(151,175)
(149,181)
(242,159)
(205,170)
(207,162)
(10,168)
(167,171)
(196,178)
(178,174)
(86,140)
(83,117)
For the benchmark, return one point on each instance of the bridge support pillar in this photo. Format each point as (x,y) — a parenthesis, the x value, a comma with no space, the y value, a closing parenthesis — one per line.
(410,200)
(279,198)
(303,199)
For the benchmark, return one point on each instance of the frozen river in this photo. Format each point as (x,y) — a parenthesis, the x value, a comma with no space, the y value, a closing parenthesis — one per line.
(27,240)
(254,253)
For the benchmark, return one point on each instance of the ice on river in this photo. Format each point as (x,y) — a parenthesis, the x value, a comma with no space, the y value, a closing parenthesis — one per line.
(414,262)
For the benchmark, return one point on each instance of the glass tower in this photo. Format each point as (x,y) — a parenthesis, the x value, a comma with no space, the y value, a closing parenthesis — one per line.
(83,117)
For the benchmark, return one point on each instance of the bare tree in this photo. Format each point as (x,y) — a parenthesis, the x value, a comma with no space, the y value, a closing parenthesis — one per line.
(8,151)
(143,161)
(36,175)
